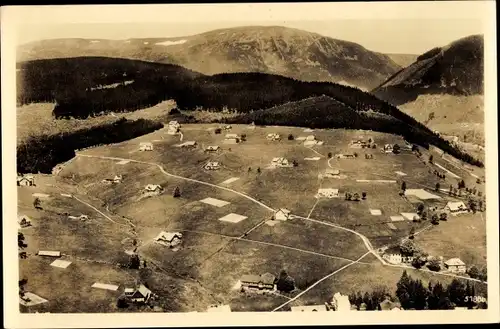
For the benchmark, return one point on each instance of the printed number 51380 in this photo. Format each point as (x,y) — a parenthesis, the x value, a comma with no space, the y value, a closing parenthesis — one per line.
(475,299)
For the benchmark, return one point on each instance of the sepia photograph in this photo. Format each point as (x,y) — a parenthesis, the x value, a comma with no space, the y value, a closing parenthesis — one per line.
(261,160)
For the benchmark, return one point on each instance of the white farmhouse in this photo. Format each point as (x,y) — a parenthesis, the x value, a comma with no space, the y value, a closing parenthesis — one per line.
(212,165)
(341,302)
(26,180)
(147,146)
(273,137)
(327,193)
(212,148)
(153,189)
(280,162)
(455,265)
(455,208)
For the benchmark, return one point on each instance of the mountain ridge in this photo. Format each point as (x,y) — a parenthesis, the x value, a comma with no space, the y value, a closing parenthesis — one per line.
(290,52)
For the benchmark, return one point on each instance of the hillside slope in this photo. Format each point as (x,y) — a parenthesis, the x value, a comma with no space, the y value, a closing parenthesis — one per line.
(403,60)
(277,50)
(443,87)
(85,87)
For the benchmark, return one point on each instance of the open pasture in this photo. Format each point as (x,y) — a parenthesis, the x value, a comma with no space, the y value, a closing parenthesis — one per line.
(463,236)
(244,257)
(361,277)
(311,236)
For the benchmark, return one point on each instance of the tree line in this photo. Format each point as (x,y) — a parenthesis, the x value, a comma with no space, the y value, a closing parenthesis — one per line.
(412,294)
(42,153)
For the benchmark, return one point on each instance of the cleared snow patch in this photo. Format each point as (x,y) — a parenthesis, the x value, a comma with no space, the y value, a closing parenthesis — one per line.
(171,43)
(60,263)
(409,215)
(397,218)
(312,159)
(230,180)
(105,286)
(31,299)
(421,194)
(375,212)
(301,138)
(391,226)
(400,173)
(66,195)
(233,218)
(40,195)
(123,162)
(215,202)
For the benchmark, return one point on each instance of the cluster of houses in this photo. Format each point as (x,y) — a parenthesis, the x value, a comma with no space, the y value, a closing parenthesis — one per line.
(393,255)
(456,207)
(115,180)
(173,128)
(25,180)
(139,294)
(361,143)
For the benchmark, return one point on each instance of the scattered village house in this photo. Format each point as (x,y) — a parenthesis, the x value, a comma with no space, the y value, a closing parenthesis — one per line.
(273,136)
(393,255)
(24,221)
(328,193)
(359,143)
(262,282)
(49,253)
(174,124)
(212,148)
(232,139)
(282,214)
(456,208)
(139,295)
(146,146)
(169,239)
(153,188)
(310,308)
(455,265)
(332,172)
(340,302)
(115,180)
(280,162)
(26,180)
(212,165)
(388,148)
(344,156)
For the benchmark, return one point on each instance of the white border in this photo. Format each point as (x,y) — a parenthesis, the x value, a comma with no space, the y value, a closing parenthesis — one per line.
(11,17)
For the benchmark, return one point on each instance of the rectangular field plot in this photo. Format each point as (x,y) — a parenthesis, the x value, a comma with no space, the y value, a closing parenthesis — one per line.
(215,202)
(233,218)
(421,194)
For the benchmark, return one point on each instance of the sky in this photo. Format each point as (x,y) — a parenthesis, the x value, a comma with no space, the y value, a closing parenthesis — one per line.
(390,27)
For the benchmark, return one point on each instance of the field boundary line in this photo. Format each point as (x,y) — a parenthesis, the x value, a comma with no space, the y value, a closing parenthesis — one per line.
(319,281)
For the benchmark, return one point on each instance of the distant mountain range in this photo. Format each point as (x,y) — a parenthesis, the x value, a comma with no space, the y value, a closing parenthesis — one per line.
(278,50)
(443,88)
(403,60)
